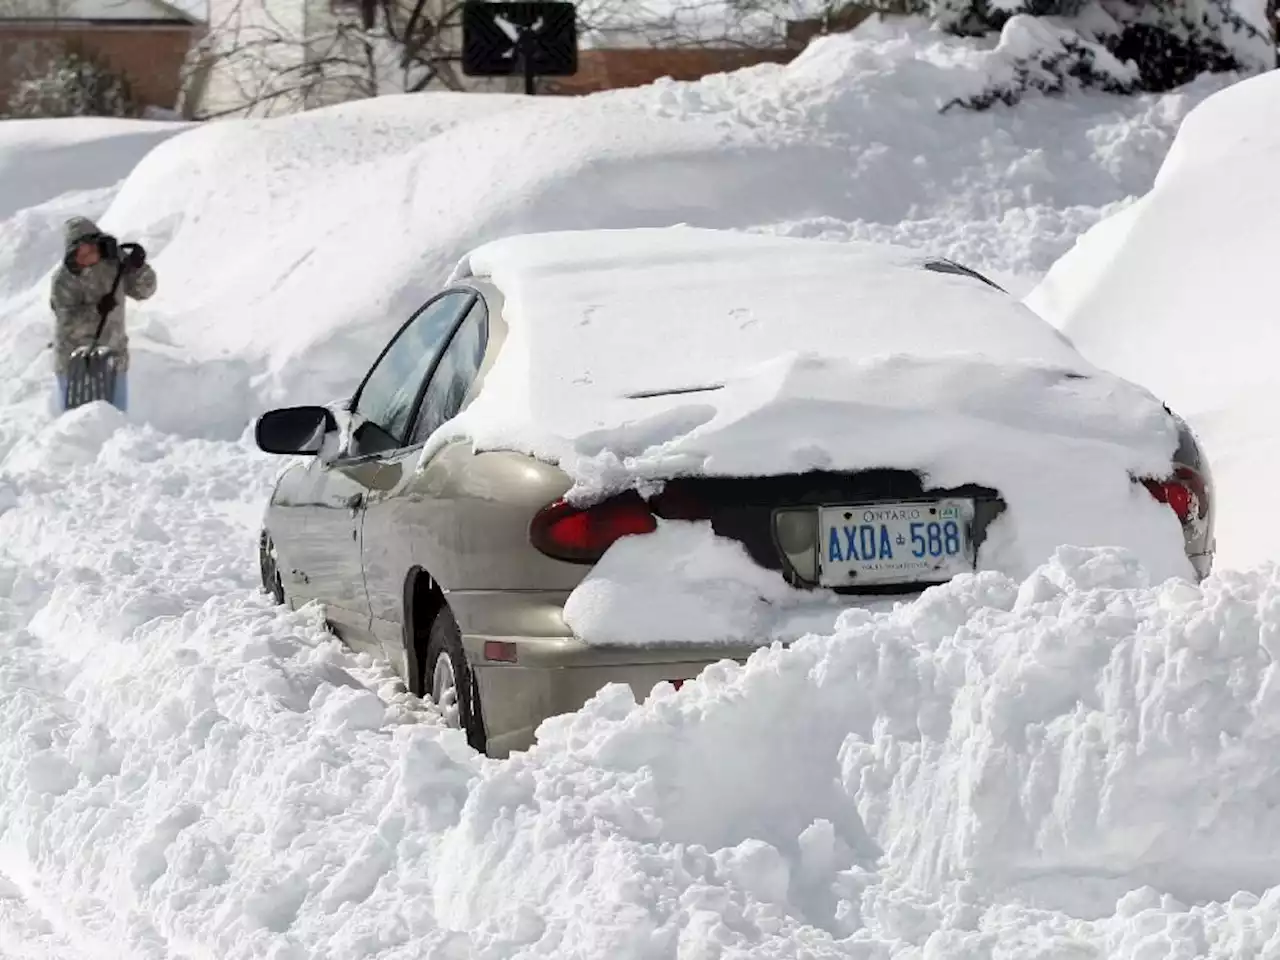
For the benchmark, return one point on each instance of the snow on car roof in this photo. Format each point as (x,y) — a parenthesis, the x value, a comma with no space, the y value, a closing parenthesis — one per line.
(616,311)
(634,356)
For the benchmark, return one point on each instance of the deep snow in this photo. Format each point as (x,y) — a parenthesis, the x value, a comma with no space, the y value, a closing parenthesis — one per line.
(1080,763)
(285,294)
(1063,766)
(1177,292)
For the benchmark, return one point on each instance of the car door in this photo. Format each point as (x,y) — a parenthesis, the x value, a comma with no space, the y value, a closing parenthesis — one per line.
(397,515)
(380,416)
(294,502)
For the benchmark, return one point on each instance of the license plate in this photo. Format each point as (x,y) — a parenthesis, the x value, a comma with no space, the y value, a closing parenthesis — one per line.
(885,543)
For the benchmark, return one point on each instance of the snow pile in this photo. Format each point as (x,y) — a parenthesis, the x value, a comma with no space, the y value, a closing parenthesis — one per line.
(994,734)
(1075,764)
(1080,762)
(280,283)
(711,590)
(42,160)
(1176,293)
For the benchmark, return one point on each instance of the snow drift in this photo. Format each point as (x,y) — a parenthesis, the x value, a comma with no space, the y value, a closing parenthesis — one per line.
(42,160)
(280,283)
(1076,763)
(1176,293)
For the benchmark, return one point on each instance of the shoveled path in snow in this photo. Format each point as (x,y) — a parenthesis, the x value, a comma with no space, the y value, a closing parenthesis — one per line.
(1000,769)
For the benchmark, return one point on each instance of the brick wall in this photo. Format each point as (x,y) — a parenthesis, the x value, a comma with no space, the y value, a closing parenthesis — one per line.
(605,69)
(149,56)
(609,69)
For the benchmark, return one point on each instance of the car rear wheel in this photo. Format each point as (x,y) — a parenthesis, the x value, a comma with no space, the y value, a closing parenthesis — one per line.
(450,682)
(269,565)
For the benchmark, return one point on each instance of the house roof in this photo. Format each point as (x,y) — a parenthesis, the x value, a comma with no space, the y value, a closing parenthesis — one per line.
(98,11)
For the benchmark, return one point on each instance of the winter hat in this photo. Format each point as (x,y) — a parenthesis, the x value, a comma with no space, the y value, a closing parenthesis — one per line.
(76,231)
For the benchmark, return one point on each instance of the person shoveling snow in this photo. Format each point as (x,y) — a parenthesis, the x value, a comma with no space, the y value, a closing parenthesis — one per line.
(91,345)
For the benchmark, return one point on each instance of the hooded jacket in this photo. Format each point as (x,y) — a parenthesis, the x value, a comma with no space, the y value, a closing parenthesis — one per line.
(75,294)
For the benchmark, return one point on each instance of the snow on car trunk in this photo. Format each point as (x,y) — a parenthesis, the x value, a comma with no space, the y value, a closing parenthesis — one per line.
(1177,292)
(634,357)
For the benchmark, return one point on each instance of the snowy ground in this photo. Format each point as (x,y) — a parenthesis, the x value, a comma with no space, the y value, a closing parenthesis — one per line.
(1178,293)
(1077,765)
(999,769)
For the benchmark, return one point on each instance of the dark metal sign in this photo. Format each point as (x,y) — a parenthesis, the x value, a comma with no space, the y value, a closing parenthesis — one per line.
(532,39)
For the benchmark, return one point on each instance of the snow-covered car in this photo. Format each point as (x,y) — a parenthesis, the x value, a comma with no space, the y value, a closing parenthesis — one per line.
(848,421)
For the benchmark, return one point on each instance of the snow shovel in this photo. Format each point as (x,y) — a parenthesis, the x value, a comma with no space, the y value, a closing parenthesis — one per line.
(91,370)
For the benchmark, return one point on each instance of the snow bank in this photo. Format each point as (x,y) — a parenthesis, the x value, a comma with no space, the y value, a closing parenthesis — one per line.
(283,281)
(1074,764)
(1176,293)
(44,159)
(1004,735)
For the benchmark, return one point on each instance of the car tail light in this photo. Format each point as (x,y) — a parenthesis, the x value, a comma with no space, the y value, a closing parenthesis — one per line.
(1184,492)
(582,535)
(500,651)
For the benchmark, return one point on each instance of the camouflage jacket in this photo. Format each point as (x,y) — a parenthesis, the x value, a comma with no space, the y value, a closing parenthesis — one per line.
(75,294)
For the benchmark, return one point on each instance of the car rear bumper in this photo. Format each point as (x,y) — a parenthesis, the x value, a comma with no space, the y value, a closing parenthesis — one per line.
(554,671)
(553,679)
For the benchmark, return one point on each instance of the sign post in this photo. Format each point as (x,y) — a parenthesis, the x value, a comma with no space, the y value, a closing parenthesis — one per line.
(532,39)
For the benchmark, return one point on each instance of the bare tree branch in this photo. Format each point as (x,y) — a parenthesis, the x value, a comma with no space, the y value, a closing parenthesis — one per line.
(338,51)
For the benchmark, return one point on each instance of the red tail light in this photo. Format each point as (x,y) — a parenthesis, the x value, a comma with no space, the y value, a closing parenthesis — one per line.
(1184,493)
(578,535)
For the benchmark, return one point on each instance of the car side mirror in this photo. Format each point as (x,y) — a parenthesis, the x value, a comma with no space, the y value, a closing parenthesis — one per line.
(294,431)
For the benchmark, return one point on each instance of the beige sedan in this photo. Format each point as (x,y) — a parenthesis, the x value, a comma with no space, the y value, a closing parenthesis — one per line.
(454,560)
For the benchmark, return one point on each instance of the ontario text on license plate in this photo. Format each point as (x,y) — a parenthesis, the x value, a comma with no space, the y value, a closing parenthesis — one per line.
(882,543)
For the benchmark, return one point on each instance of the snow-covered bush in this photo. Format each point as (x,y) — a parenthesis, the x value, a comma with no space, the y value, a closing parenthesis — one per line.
(69,83)
(1038,54)
(976,17)
(1115,45)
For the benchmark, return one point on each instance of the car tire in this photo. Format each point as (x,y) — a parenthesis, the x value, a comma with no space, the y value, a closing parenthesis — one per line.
(447,677)
(269,565)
